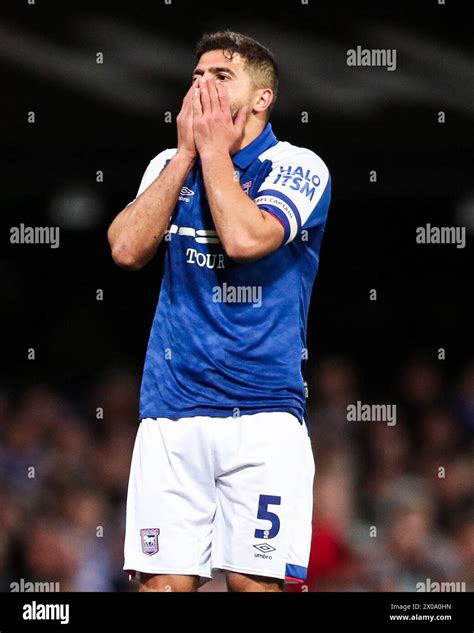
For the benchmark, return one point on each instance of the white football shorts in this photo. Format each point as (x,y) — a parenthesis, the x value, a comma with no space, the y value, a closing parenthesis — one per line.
(232,493)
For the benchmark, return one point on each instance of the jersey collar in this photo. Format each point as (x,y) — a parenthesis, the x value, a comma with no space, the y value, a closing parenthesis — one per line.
(244,157)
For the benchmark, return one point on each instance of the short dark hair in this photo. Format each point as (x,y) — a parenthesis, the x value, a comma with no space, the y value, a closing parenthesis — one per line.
(259,60)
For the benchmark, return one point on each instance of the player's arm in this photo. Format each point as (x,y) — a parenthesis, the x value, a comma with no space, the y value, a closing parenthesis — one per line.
(247,233)
(136,232)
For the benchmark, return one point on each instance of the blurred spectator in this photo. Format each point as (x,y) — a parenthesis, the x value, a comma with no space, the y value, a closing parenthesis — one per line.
(464,399)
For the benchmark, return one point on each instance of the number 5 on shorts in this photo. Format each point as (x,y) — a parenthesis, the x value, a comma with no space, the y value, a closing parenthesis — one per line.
(263,513)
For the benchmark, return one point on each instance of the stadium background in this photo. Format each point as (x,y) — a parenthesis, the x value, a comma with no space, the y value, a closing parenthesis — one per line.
(63,522)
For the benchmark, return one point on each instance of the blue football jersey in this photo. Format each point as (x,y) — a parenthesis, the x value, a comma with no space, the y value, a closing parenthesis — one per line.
(229,338)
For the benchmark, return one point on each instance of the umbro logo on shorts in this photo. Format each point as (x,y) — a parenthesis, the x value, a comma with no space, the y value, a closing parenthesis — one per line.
(264,547)
(149,538)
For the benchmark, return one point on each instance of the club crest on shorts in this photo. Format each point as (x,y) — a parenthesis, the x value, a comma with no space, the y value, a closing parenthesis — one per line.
(149,538)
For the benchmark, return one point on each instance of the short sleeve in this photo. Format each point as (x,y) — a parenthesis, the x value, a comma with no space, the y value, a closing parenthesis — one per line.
(154,169)
(296,191)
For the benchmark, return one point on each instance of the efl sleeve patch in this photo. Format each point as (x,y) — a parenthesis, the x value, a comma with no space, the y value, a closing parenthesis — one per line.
(296,191)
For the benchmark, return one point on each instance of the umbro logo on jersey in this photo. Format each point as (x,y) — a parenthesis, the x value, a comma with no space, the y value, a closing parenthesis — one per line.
(185,194)
(264,547)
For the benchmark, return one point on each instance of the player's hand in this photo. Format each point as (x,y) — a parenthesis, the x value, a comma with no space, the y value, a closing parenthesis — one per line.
(184,124)
(214,129)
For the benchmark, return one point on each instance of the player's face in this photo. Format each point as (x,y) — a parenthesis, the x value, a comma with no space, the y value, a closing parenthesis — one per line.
(231,74)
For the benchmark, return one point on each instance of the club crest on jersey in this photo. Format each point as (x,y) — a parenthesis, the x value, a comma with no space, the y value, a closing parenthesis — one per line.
(149,538)
(246,186)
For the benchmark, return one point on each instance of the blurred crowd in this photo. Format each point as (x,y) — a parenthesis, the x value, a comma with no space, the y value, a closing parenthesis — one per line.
(393,502)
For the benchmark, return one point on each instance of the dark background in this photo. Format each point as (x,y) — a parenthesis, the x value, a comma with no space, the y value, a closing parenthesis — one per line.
(110,117)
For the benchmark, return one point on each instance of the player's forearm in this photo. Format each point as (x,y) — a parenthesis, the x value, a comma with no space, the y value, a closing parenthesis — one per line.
(242,227)
(136,233)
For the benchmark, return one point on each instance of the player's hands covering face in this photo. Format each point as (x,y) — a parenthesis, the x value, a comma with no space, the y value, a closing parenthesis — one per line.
(214,129)
(184,123)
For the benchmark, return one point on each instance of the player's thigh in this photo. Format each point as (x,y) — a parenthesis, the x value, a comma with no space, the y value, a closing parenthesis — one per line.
(168,583)
(245,583)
